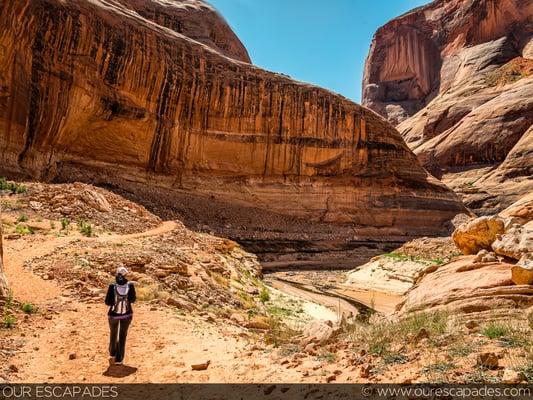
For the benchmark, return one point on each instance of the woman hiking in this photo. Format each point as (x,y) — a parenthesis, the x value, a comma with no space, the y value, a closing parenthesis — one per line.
(119,298)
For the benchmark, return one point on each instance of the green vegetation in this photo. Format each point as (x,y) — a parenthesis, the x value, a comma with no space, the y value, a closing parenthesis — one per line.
(22,218)
(29,308)
(405,257)
(85,228)
(22,229)
(8,319)
(11,187)
(395,358)
(327,356)
(264,296)
(439,367)
(494,330)
(65,223)
(507,334)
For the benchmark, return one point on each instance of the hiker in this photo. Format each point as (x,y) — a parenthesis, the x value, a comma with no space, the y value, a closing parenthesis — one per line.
(120,296)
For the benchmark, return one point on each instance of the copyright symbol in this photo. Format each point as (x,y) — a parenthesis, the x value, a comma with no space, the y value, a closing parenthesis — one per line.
(366,391)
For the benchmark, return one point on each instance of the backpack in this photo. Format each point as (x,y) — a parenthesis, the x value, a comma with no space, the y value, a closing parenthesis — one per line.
(122,304)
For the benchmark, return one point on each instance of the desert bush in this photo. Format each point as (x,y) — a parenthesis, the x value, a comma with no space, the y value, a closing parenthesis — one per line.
(12,187)
(28,308)
(264,296)
(22,218)
(85,228)
(22,229)
(494,330)
(65,223)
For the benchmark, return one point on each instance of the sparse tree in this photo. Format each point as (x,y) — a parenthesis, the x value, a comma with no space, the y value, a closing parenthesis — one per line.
(3,281)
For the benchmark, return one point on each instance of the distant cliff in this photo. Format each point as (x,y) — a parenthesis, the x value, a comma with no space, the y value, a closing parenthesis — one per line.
(455,76)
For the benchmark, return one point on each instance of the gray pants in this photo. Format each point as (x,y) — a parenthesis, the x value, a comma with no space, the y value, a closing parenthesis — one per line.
(117,339)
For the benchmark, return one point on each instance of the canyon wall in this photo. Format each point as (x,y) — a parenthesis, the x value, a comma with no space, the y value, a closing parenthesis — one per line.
(455,77)
(115,92)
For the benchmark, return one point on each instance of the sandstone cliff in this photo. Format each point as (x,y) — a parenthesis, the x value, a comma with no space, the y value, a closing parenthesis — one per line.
(119,93)
(455,77)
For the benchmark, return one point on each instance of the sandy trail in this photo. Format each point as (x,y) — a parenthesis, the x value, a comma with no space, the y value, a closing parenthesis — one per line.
(69,343)
(161,348)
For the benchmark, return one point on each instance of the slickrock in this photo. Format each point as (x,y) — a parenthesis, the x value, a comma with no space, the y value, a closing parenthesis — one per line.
(144,96)
(455,76)
(465,286)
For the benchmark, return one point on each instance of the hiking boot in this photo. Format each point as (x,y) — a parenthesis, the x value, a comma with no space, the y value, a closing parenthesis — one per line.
(119,362)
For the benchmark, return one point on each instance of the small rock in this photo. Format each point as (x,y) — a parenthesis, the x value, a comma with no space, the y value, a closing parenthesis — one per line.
(488,360)
(13,368)
(511,376)
(258,323)
(365,371)
(201,367)
(471,324)
(72,356)
(318,331)
(331,378)
(238,318)
(422,334)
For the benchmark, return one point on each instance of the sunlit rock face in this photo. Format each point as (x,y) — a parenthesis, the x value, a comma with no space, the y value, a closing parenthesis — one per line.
(158,97)
(455,77)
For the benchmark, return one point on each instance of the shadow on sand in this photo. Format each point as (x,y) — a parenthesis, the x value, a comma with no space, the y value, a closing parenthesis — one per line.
(119,371)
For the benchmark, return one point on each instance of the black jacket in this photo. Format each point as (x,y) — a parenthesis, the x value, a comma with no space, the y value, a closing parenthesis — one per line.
(110,299)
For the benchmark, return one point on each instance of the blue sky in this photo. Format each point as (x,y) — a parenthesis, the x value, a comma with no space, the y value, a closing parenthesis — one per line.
(316,41)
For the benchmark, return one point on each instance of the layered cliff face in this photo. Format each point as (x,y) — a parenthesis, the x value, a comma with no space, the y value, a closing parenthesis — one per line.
(457,81)
(116,92)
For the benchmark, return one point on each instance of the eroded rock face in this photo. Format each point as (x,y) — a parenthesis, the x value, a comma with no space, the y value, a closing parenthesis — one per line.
(123,93)
(456,78)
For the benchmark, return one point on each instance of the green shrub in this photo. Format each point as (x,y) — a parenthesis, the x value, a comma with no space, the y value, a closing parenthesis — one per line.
(12,187)
(494,330)
(9,320)
(28,308)
(24,229)
(85,227)
(22,218)
(65,223)
(264,296)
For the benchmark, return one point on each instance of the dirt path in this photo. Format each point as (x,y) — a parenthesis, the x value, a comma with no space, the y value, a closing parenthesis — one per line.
(161,348)
(67,342)
(26,286)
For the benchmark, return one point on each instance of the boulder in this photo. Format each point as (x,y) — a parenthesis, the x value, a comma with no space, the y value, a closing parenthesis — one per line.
(318,332)
(522,272)
(516,242)
(478,234)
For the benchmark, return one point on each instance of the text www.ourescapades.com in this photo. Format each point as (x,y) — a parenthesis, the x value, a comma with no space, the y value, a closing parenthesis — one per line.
(451,391)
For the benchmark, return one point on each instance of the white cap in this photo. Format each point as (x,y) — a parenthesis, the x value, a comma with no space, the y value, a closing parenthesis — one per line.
(122,271)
